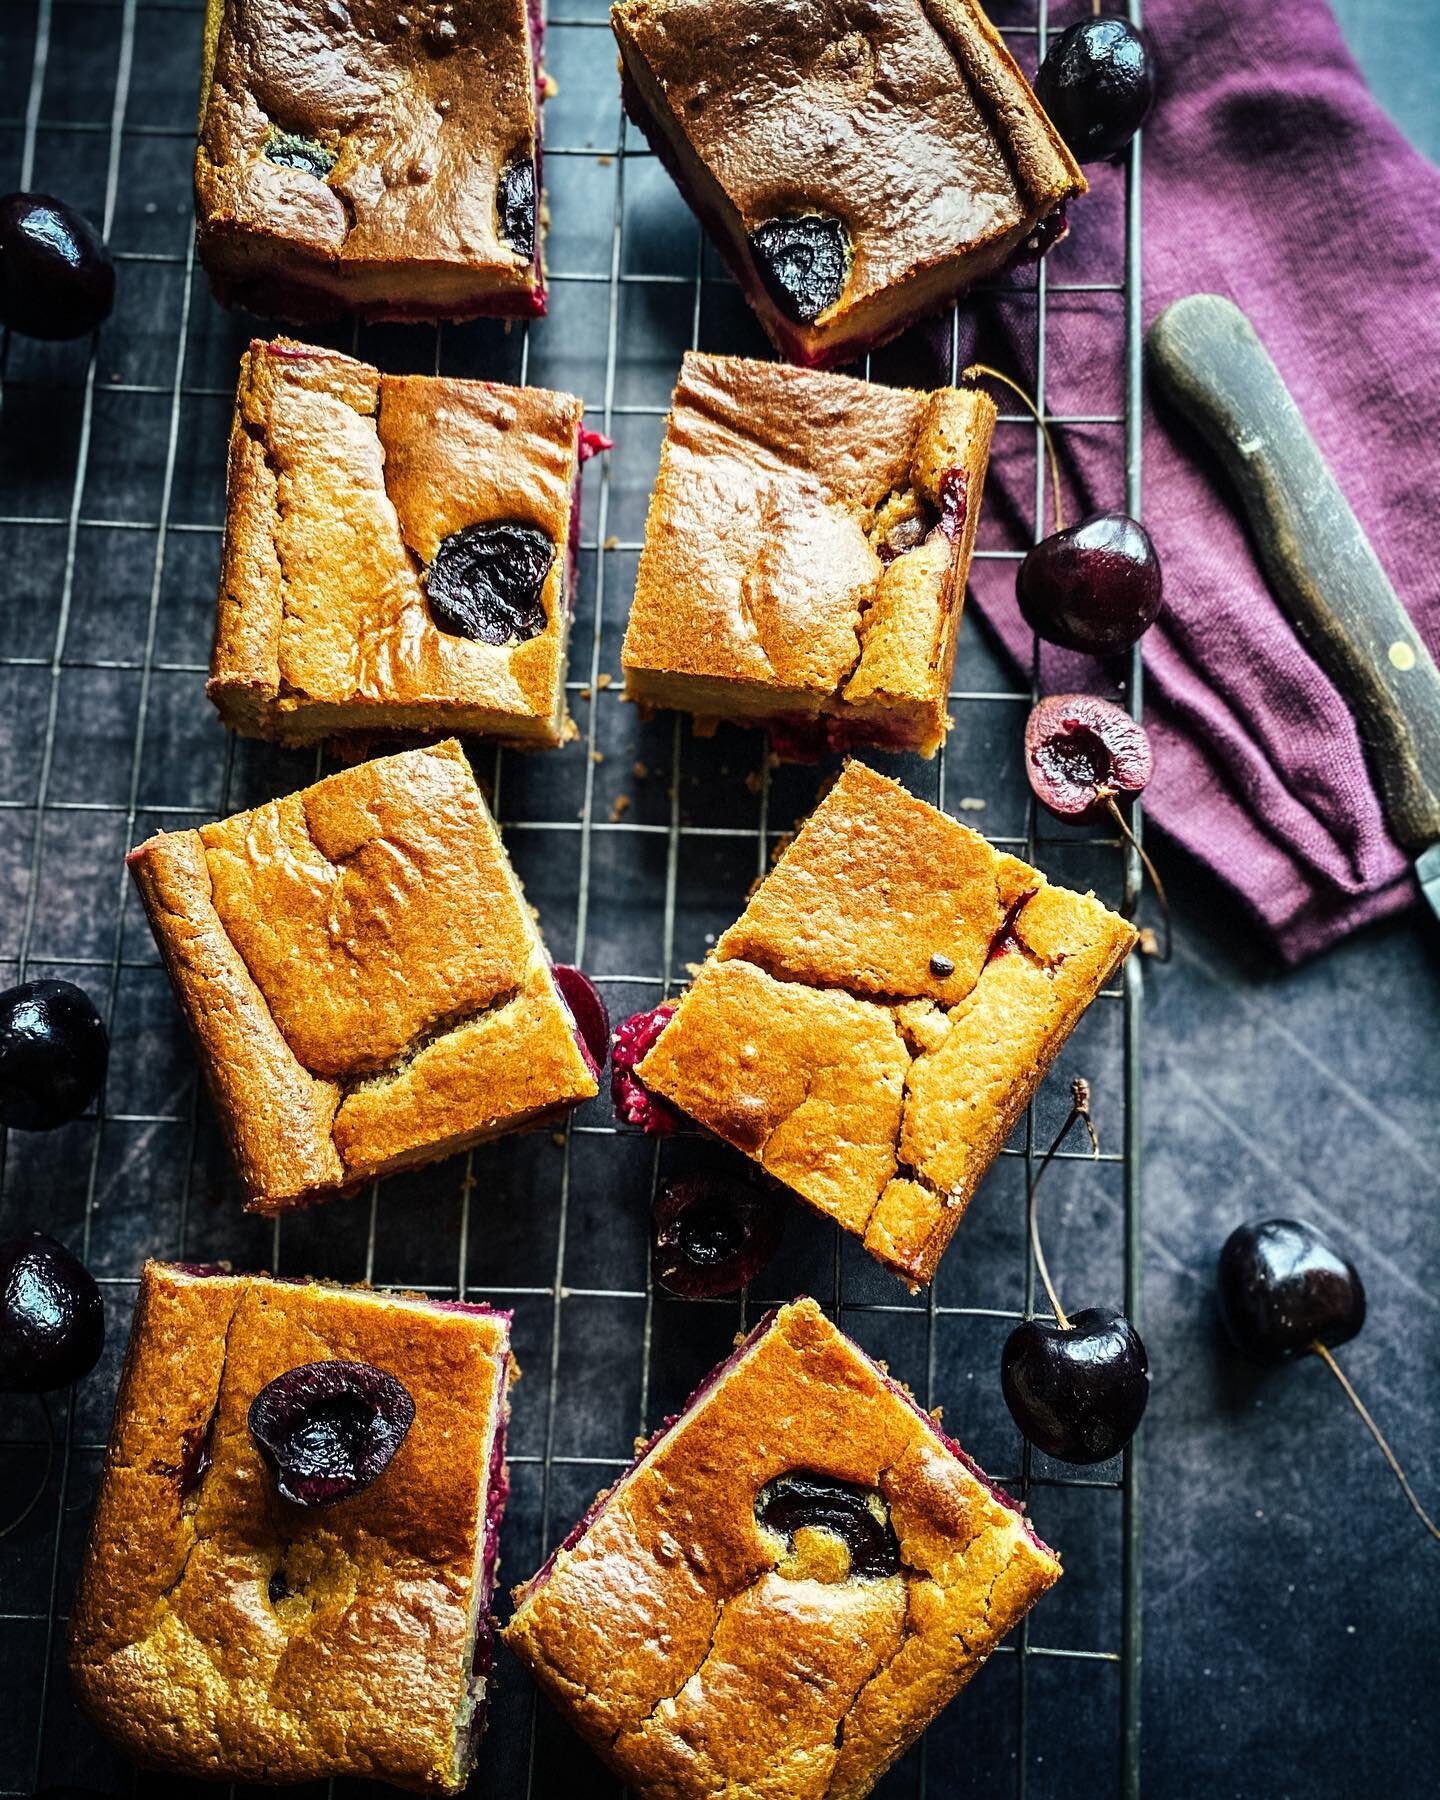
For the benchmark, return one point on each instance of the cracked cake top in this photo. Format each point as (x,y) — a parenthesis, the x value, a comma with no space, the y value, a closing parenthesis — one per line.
(874,1024)
(370,157)
(806,545)
(364,981)
(375,546)
(224,1632)
(797,1574)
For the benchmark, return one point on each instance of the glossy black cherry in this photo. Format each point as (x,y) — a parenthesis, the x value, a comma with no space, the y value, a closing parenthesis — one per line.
(1284,1287)
(1094,586)
(1097,83)
(804,261)
(52,1319)
(53,1051)
(56,276)
(855,1515)
(486,583)
(1077,1394)
(712,1234)
(327,1430)
(515,205)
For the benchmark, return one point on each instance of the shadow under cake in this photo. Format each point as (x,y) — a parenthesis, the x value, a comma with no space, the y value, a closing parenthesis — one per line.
(874,1024)
(399,553)
(858,163)
(365,985)
(806,552)
(225,1632)
(788,1584)
(372,160)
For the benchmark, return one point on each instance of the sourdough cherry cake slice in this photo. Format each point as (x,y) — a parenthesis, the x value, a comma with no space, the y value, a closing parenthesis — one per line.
(874,1024)
(376,160)
(292,1558)
(793,1578)
(363,980)
(806,553)
(857,162)
(399,553)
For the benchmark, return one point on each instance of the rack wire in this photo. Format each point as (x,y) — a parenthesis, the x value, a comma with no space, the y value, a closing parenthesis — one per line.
(111,480)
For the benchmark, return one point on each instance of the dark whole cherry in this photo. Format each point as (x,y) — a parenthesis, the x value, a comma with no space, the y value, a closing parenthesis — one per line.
(486,583)
(293,151)
(804,262)
(328,1429)
(1095,586)
(52,1319)
(633,1101)
(56,276)
(854,1514)
(1284,1288)
(1097,83)
(515,205)
(713,1234)
(1077,1393)
(53,1051)
(1081,752)
(588,1009)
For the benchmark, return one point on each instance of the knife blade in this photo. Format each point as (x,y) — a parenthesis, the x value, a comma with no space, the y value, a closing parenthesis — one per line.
(1211,364)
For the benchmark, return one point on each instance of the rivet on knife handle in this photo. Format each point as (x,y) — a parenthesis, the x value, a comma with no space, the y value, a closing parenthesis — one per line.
(1320,563)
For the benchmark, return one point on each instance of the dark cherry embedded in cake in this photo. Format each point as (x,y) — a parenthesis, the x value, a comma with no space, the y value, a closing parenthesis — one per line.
(486,581)
(328,1429)
(854,1514)
(713,1233)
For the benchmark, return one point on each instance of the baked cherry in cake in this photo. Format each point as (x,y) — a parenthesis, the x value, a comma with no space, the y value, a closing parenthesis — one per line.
(806,553)
(857,162)
(399,553)
(787,1585)
(293,1553)
(377,161)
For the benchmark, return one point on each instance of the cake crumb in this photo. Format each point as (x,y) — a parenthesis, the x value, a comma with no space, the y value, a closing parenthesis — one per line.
(611,543)
(970,803)
(1149,943)
(557,1138)
(604,161)
(618,807)
(604,681)
(755,780)
(585,691)
(552,86)
(597,756)
(642,773)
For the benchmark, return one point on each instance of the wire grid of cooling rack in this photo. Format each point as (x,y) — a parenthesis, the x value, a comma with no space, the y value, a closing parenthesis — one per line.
(93,98)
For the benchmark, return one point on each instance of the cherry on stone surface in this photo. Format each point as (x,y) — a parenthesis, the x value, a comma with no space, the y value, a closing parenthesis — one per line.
(53,1051)
(1284,1288)
(56,276)
(634,1103)
(515,205)
(326,1430)
(1093,586)
(1097,83)
(824,1502)
(1076,1393)
(712,1234)
(486,583)
(52,1319)
(804,262)
(587,1008)
(1080,749)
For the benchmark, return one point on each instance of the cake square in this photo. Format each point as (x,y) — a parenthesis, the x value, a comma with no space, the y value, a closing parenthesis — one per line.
(365,986)
(789,1583)
(858,163)
(399,553)
(806,553)
(873,1025)
(226,1632)
(371,160)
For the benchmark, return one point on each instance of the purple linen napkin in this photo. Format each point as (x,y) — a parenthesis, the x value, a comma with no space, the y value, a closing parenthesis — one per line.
(1270,175)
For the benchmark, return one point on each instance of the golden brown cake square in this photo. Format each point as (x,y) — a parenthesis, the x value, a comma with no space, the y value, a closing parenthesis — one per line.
(874,1024)
(399,553)
(364,983)
(371,159)
(806,553)
(857,162)
(790,1582)
(224,1631)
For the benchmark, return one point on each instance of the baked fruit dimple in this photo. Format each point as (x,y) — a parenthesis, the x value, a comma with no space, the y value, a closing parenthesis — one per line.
(856,1515)
(292,150)
(328,1429)
(515,203)
(486,583)
(804,261)
(713,1234)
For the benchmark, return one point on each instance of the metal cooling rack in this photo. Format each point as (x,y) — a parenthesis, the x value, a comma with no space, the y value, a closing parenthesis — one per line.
(638,845)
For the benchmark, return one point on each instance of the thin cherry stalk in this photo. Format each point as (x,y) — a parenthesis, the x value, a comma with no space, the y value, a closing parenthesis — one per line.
(1079,1114)
(1323,1352)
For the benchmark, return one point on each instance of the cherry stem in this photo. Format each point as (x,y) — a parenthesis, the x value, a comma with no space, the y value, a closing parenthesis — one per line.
(1323,1352)
(1035,413)
(1079,1113)
(1108,796)
(44,1482)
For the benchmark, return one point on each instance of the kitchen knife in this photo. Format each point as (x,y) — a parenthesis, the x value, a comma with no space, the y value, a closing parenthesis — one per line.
(1210,363)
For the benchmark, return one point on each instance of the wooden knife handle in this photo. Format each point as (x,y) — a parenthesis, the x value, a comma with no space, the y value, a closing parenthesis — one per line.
(1210,363)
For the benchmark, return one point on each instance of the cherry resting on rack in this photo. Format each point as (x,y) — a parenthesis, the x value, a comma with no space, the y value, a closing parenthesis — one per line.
(713,1233)
(53,1050)
(56,276)
(1076,1388)
(52,1319)
(1097,83)
(1286,1291)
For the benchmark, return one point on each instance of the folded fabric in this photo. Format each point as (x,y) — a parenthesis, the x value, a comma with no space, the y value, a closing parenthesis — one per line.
(1269,175)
